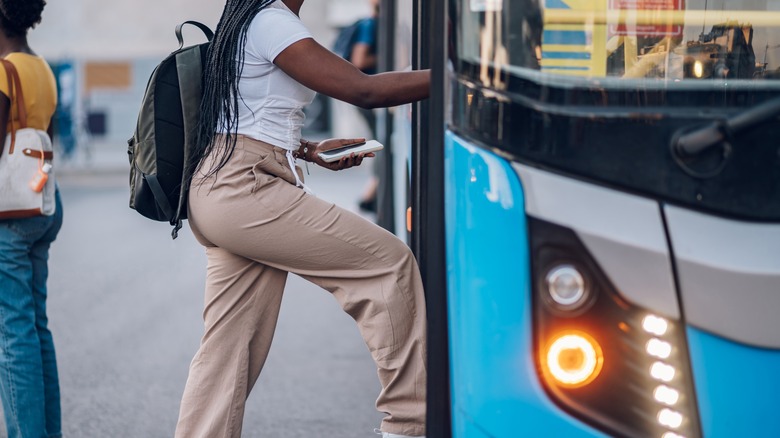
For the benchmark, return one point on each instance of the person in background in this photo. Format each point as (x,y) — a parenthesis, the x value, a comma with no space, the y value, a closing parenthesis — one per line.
(29,386)
(249,207)
(364,56)
(364,49)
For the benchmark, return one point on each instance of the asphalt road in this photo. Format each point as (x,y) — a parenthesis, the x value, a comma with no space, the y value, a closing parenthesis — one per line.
(125,306)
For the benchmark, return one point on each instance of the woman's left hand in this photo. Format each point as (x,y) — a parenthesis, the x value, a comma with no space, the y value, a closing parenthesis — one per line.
(335,143)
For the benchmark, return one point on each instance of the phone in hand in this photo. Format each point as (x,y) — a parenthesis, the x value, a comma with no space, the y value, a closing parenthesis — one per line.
(344,151)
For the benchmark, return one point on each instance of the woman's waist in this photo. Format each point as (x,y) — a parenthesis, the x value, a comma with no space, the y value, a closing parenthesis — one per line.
(260,140)
(260,144)
(246,153)
(280,127)
(241,167)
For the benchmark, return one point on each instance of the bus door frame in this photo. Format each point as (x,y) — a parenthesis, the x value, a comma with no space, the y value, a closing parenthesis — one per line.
(427,196)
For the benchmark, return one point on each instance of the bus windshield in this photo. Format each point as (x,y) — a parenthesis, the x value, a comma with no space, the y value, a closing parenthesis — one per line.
(666,43)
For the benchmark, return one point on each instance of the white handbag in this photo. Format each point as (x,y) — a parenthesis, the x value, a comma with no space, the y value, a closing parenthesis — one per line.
(27,186)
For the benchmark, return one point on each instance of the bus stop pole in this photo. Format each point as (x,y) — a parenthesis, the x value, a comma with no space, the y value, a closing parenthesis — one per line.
(384,121)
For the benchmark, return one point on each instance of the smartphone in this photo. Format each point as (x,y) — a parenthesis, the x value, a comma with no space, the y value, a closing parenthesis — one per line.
(344,151)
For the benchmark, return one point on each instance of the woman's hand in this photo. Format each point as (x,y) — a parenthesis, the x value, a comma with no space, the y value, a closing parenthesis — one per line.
(309,151)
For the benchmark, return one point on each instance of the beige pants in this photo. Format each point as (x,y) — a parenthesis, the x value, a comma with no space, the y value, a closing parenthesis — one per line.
(257,226)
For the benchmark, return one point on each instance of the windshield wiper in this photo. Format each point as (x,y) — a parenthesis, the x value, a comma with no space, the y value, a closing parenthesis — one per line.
(688,143)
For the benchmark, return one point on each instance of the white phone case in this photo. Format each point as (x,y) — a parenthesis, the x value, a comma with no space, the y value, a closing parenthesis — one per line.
(360,148)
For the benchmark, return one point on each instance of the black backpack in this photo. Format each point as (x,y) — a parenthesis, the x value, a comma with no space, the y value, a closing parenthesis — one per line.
(166,129)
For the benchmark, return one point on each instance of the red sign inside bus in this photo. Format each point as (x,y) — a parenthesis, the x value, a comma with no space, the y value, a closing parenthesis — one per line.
(646,30)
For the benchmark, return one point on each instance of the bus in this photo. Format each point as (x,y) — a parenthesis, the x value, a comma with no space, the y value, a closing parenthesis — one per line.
(595,207)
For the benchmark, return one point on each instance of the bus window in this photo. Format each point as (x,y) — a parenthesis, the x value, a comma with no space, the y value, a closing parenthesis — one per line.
(672,42)
(560,81)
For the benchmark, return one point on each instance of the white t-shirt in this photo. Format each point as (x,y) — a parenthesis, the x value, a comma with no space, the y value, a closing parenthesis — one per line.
(270,105)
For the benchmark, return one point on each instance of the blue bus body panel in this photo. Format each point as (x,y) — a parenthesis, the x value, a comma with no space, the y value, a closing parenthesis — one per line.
(495,389)
(737,386)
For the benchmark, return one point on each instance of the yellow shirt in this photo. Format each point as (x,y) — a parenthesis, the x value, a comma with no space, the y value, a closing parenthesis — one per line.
(39,88)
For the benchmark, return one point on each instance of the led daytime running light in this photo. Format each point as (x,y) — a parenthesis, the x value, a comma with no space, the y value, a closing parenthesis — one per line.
(666,395)
(655,325)
(670,418)
(662,371)
(658,348)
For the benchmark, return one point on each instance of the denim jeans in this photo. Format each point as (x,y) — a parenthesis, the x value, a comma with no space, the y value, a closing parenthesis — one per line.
(29,385)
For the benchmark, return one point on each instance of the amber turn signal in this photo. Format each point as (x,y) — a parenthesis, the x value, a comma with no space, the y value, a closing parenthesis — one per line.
(573,359)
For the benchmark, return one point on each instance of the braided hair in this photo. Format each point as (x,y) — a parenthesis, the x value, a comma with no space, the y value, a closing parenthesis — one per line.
(225,62)
(18,16)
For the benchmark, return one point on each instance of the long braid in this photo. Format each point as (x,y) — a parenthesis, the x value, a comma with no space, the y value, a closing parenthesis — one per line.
(225,62)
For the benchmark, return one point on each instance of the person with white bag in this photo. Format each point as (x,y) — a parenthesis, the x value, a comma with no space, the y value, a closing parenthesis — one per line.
(30,218)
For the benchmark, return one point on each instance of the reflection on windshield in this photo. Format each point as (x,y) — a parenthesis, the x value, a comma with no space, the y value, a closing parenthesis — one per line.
(726,51)
(673,40)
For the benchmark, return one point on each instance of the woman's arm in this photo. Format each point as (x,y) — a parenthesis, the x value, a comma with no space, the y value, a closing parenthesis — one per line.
(324,72)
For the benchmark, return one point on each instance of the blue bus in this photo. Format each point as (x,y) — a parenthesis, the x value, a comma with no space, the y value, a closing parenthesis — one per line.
(595,207)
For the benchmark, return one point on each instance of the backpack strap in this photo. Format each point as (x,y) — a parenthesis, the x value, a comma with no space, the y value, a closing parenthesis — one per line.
(15,93)
(189,71)
(10,79)
(206,31)
(159,195)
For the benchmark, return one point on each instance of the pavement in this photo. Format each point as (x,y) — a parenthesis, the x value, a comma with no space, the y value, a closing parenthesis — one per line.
(97,156)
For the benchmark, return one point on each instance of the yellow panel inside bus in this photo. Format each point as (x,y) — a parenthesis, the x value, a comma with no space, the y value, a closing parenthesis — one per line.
(577,49)
(583,45)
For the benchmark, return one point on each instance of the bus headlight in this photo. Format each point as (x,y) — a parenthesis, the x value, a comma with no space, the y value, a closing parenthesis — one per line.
(566,286)
(604,360)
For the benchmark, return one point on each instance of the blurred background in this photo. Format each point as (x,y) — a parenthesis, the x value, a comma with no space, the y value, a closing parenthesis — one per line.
(125,301)
(104,52)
